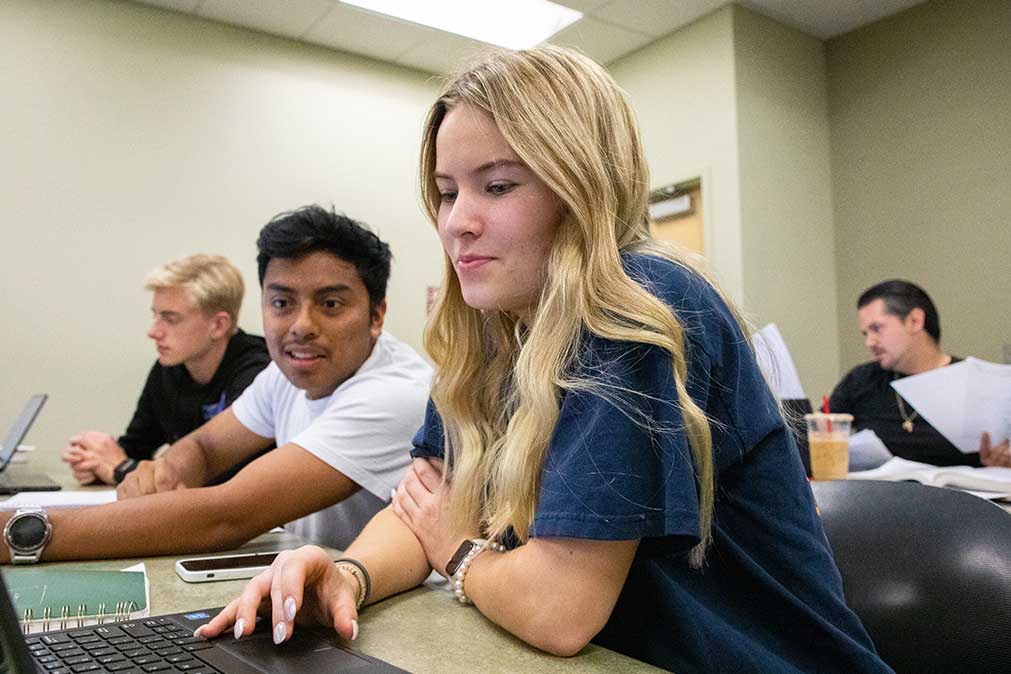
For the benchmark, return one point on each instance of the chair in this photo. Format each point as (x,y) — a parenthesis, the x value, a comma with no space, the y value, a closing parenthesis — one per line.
(928,570)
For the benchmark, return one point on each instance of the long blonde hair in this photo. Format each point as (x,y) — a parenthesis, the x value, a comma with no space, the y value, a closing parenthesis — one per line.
(498,383)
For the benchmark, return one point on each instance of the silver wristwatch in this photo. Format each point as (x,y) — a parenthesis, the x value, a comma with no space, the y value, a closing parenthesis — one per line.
(26,534)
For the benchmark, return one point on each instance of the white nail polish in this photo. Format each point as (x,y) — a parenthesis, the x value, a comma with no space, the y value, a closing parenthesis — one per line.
(289,608)
(199,631)
(280,631)
(354,630)
(240,625)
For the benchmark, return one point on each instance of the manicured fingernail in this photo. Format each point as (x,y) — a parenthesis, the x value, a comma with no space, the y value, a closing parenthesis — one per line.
(240,624)
(289,608)
(354,630)
(199,631)
(280,631)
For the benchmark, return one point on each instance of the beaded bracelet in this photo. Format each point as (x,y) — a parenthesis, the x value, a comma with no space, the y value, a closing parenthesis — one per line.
(461,573)
(358,572)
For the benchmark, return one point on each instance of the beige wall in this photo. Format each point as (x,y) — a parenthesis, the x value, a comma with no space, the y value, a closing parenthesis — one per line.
(740,101)
(133,135)
(920,109)
(787,256)
(682,88)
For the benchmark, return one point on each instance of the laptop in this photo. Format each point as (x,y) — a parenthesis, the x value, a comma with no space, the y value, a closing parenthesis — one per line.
(12,478)
(166,644)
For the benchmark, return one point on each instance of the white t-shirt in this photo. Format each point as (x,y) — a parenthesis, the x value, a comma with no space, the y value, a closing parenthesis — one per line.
(363,429)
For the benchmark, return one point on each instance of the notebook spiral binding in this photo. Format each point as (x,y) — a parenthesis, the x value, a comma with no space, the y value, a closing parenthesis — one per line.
(82,618)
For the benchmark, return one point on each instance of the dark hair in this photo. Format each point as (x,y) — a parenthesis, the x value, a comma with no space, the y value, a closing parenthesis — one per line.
(312,228)
(901,297)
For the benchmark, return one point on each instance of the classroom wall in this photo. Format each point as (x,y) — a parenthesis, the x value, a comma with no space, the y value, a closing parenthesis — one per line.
(682,89)
(132,135)
(740,101)
(787,251)
(920,110)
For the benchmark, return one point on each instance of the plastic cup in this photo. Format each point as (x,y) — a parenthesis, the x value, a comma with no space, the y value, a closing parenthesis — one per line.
(828,442)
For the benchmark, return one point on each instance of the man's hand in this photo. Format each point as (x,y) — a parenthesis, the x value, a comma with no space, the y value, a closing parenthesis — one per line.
(150,477)
(93,455)
(995,455)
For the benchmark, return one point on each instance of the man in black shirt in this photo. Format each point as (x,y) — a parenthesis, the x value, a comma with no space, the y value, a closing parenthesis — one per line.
(903,332)
(204,363)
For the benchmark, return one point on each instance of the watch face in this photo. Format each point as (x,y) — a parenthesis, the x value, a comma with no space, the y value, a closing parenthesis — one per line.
(459,556)
(27,532)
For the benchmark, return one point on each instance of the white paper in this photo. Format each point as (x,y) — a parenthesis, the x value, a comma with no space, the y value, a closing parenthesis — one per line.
(774,359)
(867,451)
(962,401)
(65,498)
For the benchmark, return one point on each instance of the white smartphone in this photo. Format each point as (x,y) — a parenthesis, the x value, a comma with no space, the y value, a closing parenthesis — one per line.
(223,567)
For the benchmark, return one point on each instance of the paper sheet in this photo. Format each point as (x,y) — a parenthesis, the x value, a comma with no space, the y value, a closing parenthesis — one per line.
(962,400)
(65,498)
(775,361)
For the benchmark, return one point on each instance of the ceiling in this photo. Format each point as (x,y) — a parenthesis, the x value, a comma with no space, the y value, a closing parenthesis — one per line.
(608,30)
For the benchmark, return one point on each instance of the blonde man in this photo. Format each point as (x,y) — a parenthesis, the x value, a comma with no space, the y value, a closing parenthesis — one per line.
(204,363)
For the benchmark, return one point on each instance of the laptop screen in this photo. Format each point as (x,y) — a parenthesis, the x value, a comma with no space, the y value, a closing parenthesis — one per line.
(20,428)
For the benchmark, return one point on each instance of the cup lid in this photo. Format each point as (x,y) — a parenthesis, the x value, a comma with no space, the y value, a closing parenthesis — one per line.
(830,417)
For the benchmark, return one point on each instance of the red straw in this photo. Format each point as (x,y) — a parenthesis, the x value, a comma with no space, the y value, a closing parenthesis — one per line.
(825,409)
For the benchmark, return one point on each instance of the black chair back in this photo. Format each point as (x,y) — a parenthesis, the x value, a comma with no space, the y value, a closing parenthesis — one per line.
(928,571)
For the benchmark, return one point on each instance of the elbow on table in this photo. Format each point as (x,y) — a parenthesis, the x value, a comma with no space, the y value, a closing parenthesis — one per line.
(565,642)
(568,634)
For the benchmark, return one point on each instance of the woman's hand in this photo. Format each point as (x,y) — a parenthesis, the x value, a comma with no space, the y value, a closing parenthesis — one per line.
(422,503)
(302,585)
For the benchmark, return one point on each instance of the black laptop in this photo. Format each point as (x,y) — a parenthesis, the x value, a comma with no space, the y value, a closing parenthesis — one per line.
(166,645)
(12,478)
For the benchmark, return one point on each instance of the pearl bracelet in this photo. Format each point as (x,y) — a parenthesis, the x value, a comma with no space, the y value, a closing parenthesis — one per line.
(458,578)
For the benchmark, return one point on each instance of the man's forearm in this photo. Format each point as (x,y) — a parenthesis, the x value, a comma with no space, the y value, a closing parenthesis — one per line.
(189,458)
(197,520)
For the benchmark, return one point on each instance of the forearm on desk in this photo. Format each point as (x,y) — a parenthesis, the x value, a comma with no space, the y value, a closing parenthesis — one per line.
(203,519)
(555,594)
(392,555)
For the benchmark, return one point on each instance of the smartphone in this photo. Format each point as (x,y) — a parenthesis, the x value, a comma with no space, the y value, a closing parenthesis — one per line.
(223,567)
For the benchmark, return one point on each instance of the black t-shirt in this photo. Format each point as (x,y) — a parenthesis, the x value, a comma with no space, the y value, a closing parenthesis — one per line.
(867,394)
(769,598)
(173,405)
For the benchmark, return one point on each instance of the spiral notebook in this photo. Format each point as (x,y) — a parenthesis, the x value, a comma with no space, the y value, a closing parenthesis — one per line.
(52,599)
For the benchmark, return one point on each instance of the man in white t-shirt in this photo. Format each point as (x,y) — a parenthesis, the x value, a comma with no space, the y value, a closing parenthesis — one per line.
(341,399)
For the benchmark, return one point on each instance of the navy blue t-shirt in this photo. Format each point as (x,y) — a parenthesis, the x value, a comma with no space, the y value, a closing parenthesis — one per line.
(769,597)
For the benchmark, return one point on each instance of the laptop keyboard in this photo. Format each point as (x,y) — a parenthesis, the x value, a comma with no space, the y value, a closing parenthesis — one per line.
(139,647)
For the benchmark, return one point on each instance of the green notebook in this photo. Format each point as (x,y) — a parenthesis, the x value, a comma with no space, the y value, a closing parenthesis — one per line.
(52,599)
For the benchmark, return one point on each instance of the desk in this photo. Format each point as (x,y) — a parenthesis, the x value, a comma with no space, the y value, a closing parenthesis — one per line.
(423,630)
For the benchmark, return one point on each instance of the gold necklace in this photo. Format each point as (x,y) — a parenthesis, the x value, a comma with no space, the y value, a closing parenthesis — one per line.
(907,420)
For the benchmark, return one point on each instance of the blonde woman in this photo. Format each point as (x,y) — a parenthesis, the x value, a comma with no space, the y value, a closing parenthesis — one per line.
(616,468)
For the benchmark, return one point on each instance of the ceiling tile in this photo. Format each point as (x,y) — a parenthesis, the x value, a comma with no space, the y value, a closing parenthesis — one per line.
(655,17)
(290,18)
(366,33)
(442,52)
(186,6)
(582,5)
(603,42)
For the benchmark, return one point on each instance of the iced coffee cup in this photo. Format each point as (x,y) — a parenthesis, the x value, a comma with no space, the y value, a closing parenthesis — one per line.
(828,443)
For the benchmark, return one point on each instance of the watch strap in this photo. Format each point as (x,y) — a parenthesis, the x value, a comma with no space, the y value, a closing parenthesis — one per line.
(125,467)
